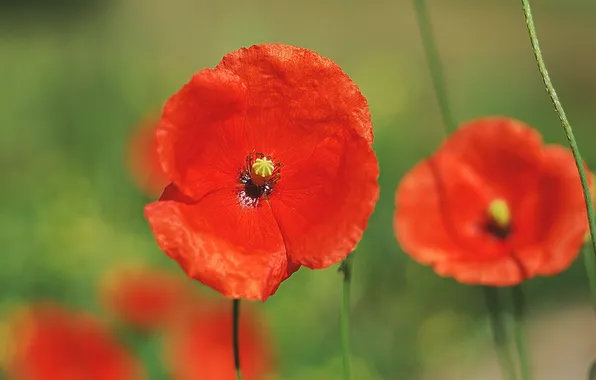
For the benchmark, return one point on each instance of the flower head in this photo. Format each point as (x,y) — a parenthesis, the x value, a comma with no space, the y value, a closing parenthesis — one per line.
(271,165)
(143,161)
(145,298)
(51,343)
(199,347)
(493,206)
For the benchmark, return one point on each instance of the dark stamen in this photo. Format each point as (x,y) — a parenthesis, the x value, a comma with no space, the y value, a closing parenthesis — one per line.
(250,193)
(496,230)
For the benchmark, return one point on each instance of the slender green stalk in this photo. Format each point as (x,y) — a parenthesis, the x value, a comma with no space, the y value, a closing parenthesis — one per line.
(235,333)
(346,269)
(589,258)
(434,62)
(497,323)
(519,314)
(592,372)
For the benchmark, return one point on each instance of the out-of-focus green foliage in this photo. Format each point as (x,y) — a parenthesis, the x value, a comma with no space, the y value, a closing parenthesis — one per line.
(75,85)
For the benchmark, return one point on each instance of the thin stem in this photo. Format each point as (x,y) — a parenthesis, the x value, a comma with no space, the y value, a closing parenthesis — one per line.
(434,62)
(519,314)
(495,314)
(589,258)
(235,330)
(346,269)
(592,372)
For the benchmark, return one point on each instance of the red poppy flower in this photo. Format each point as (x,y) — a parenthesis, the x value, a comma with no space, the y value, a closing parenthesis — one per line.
(200,346)
(50,343)
(493,206)
(144,298)
(272,168)
(143,161)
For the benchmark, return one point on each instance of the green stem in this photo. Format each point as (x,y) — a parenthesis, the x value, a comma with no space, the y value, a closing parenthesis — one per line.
(589,258)
(346,269)
(235,330)
(434,62)
(592,372)
(495,314)
(519,314)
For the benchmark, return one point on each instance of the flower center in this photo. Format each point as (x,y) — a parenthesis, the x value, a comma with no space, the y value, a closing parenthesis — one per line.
(499,223)
(261,170)
(258,178)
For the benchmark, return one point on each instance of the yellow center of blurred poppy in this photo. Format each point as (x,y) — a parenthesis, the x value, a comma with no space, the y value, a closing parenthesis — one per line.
(499,212)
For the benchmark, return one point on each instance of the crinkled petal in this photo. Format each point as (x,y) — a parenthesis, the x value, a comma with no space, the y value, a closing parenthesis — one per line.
(325,198)
(301,85)
(201,136)
(235,250)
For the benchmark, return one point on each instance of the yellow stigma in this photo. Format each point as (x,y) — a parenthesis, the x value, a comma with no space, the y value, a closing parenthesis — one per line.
(263,167)
(499,212)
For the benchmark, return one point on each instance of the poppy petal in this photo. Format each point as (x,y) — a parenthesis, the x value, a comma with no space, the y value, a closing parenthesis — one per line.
(173,193)
(201,136)
(143,161)
(504,152)
(235,250)
(561,215)
(335,185)
(501,271)
(440,207)
(200,345)
(300,84)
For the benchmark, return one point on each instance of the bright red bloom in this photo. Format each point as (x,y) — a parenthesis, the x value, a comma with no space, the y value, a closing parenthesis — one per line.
(234,217)
(145,298)
(143,161)
(493,206)
(51,343)
(200,346)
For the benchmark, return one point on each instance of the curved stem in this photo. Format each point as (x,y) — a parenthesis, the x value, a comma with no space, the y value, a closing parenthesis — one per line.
(434,62)
(519,314)
(235,333)
(589,258)
(346,269)
(495,314)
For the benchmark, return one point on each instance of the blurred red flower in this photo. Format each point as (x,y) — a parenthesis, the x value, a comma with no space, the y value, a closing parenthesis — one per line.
(51,343)
(234,217)
(493,206)
(200,347)
(143,161)
(145,298)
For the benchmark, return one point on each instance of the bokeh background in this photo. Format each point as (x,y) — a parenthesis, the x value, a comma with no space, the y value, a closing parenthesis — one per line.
(79,76)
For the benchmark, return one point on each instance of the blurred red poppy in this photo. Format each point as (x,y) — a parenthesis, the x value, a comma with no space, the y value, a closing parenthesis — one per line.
(272,168)
(51,343)
(493,206)
(145,298)
(143,161)
(200,347)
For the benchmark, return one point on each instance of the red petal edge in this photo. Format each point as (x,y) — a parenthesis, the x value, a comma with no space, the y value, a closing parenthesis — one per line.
(238,252)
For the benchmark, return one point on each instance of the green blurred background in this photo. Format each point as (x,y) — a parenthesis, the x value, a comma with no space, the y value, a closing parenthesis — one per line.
(78,76)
